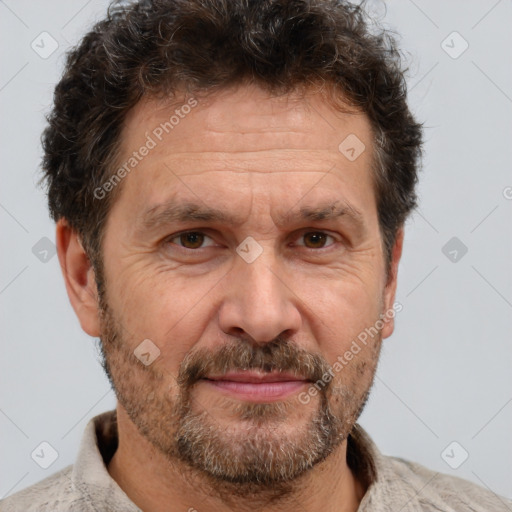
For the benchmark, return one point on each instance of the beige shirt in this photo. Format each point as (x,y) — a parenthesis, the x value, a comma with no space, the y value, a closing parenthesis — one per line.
(395,485)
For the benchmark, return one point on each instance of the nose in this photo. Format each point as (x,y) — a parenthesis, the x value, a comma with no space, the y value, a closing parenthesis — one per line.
(260,302)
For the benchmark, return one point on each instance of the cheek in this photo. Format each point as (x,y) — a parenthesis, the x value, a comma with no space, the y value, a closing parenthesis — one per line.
(341,311)
(169,310)
(344,328)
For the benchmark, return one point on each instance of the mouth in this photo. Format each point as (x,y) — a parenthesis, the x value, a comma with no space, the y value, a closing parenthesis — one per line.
(255,386)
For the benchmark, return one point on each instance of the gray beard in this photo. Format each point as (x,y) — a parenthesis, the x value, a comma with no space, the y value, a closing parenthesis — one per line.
(257,462)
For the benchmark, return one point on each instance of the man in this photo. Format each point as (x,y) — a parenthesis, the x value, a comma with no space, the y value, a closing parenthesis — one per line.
(230,182)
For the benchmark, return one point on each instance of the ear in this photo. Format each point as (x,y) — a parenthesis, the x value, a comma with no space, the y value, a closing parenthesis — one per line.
(79,278)
(390,288)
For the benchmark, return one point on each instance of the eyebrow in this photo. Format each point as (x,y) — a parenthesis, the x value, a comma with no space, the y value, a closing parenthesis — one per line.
(173,212)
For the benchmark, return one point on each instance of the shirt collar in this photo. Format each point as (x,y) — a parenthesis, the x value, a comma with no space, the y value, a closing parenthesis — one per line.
(90,475)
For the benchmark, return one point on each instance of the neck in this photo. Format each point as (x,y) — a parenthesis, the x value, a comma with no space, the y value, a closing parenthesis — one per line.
(153,482)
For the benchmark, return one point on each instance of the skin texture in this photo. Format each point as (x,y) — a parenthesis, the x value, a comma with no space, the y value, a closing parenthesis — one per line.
(298,306)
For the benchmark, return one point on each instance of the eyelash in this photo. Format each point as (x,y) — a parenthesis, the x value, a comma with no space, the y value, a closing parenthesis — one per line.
(304,233)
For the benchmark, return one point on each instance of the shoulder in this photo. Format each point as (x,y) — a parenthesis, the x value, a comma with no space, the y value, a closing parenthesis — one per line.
(55,493)
(396,484)
(434,489)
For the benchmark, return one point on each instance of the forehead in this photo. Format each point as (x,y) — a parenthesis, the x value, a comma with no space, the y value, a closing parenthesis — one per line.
(246,145)
(250,116)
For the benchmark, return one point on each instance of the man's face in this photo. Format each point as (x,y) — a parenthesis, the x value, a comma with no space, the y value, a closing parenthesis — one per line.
(226,311)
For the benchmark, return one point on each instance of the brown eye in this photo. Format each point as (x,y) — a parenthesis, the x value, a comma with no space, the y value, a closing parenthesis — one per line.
(315,240)
(190,239)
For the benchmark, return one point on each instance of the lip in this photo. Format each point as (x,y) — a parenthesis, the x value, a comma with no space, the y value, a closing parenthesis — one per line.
(257,386)
(255,376)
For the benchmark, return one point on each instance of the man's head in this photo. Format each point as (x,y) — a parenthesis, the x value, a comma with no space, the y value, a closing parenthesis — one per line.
(230,181)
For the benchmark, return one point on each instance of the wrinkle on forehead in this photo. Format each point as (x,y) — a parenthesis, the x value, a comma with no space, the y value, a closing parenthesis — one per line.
(242,112)
(249,151)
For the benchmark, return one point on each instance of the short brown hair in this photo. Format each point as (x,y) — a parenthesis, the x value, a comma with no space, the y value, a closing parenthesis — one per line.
(155,47)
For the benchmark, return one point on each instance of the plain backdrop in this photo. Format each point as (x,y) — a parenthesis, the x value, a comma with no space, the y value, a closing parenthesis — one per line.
(443,392)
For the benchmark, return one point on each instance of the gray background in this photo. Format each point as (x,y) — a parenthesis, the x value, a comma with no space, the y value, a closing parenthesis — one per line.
(445,374)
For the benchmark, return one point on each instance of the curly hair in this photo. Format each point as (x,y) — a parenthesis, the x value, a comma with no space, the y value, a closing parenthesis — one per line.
(157,47)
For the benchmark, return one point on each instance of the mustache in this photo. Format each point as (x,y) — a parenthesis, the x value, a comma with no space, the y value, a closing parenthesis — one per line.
(278,355)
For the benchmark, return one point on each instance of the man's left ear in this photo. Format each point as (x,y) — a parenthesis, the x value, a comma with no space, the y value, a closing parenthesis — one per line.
(390,289)
(79,278)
